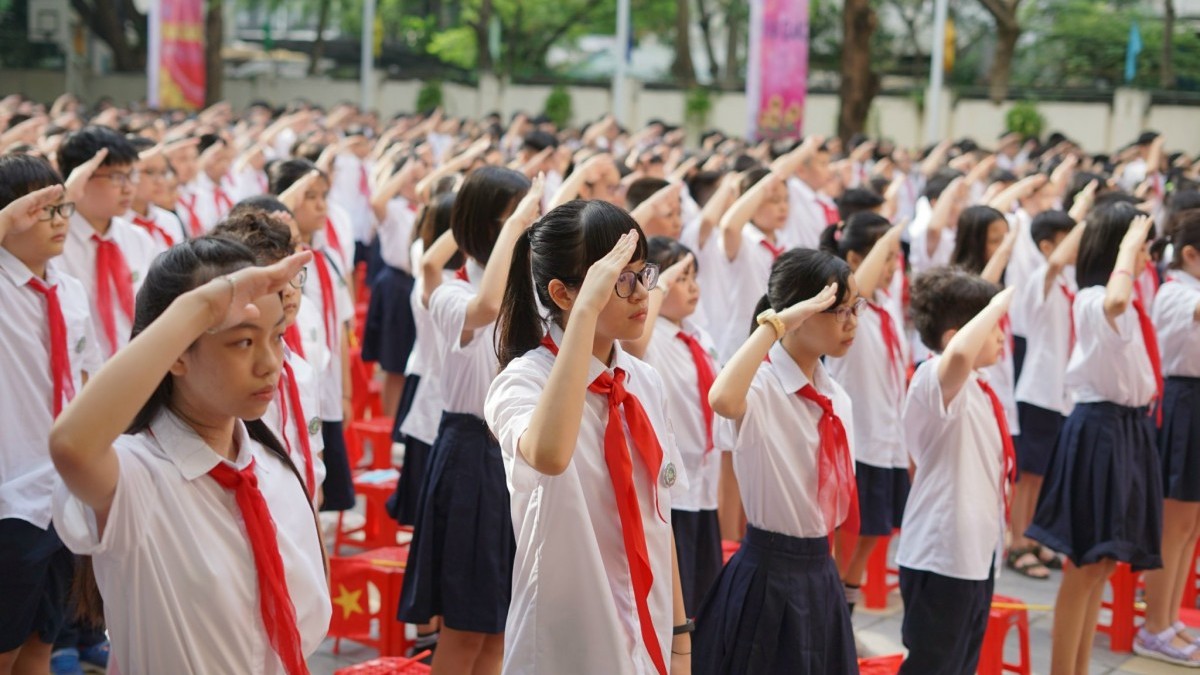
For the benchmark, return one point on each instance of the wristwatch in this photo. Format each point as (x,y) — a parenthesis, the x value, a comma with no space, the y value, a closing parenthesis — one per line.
(770,316)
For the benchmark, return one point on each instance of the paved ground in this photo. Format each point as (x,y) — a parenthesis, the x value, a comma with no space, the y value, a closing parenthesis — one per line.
(878,633)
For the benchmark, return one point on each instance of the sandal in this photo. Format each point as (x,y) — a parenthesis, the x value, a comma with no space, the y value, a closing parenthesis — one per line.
(1055,559)
(1024,561)
(1179,627)
(1158,646)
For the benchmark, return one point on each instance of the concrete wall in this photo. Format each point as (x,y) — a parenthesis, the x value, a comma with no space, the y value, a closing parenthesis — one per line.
(1098,126)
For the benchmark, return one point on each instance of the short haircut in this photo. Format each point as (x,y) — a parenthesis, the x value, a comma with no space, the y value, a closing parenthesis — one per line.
(258,231)
(80,146)
(946,298)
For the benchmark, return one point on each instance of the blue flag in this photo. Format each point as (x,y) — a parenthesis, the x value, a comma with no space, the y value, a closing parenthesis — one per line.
(1132,50)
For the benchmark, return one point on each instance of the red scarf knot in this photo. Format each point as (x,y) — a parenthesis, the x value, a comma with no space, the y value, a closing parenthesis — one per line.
(837,489)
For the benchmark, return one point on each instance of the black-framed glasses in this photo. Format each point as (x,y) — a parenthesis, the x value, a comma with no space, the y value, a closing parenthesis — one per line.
(627,281)
(844,313)
(120,179)
(65,209)
(298,280)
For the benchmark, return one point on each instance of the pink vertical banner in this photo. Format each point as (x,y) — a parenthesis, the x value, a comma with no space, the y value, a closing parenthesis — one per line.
(777,78)
(179,63)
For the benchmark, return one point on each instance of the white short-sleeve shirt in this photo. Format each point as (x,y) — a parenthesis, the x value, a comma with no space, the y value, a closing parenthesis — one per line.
(79,260)
(342,312)
(871,378)
(306,420)
(1108,364)
(395,234)
(673,360)
(711,270)
(174,563)
(164,219)
(953,522)
(467,369)
(210,207)
(806,217)
(777,445)
(425,361)
(27,476)
(570,551)
(746,278)
(1174,318)
(1048,340)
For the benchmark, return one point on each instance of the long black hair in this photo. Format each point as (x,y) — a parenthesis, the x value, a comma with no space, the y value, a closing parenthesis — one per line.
(485,196)
(970,246)
(1101,242)
(858,234)
(799,274)
(1187,233)
(562,245)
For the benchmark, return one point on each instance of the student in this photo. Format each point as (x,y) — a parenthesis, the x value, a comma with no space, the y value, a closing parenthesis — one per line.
(172,494)
(778,606)
(293,414)
(1101,501)
(48,348)
(213,189)
(1176,309)
(684,356)
(460,561)
(421,403)
(325,289)
(1043,401)
(162,225)
(874,373)
(585,497)
(957,434)
(104,251)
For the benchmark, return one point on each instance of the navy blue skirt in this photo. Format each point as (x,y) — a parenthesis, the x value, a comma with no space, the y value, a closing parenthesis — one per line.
(338,488)
(1039,433)
(698,547)
(1102,496)
(777,608)
(882,494)
(460,560)
(402,505)
(390,331)
(1179,439)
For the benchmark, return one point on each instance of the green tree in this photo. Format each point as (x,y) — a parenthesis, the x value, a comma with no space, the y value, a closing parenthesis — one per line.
(114,22)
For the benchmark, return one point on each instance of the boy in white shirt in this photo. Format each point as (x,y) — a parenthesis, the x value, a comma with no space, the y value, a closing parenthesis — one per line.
(958,437)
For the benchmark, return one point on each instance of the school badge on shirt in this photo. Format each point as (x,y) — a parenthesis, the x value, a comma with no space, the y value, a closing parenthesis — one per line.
(81,344)
(314,426)
(668,474)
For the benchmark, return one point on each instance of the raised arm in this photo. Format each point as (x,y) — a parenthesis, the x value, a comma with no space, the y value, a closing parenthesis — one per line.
(943,211)
(993,271)
(728,394)
(1119,290)
(666,280)
(958,358)
(869,275)
(549,443)
(82,436)
(741,212)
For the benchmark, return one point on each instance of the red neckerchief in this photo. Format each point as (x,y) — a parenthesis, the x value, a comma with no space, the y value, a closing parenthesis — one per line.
(292,401)
(704,381)
(891,342)
(1008,474)
(153,228)
(194,224)
(620,471)
(1150,338)
(112,275)
(275,602)
(776,251)
(331,236)
(328,300)
(60,358)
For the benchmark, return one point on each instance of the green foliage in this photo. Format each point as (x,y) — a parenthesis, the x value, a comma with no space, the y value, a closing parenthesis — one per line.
(456,46)
(558,106)
(430,96)
(697,106)
(1023,118)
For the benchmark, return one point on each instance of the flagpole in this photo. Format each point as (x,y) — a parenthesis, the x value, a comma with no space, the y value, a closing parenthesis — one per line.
(937,60)
(619,73)
(368,53)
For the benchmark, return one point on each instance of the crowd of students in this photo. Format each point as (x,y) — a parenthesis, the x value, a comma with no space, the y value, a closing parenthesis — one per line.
(606,351)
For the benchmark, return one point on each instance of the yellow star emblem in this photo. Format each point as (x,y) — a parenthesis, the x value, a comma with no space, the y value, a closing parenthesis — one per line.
(348,601)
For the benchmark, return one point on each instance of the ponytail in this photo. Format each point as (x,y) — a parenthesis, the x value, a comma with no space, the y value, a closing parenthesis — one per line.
(829,238)
(519,327)
(764,303)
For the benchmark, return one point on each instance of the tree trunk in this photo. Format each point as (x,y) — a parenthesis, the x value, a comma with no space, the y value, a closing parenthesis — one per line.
(318,47)
(859,85)
(706,31)
(483,29)
(1006,46)
(106,22)
(732,22)
(1166,77)
(682,68)
(214,38)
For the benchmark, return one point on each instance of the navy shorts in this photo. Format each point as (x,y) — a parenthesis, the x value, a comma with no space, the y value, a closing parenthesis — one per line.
(882,494)
(35,578)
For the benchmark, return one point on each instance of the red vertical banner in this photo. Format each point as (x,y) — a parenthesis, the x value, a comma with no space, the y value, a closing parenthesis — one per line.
(777,80)
(180,63)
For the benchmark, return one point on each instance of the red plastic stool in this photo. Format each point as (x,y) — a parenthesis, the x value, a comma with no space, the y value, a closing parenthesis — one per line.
(881,580)
(1000,620)
(1120,628)
(378,529)
(350,584)
(365,391)
(388,665)
(880,665)
(1191,591)
(376,432)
